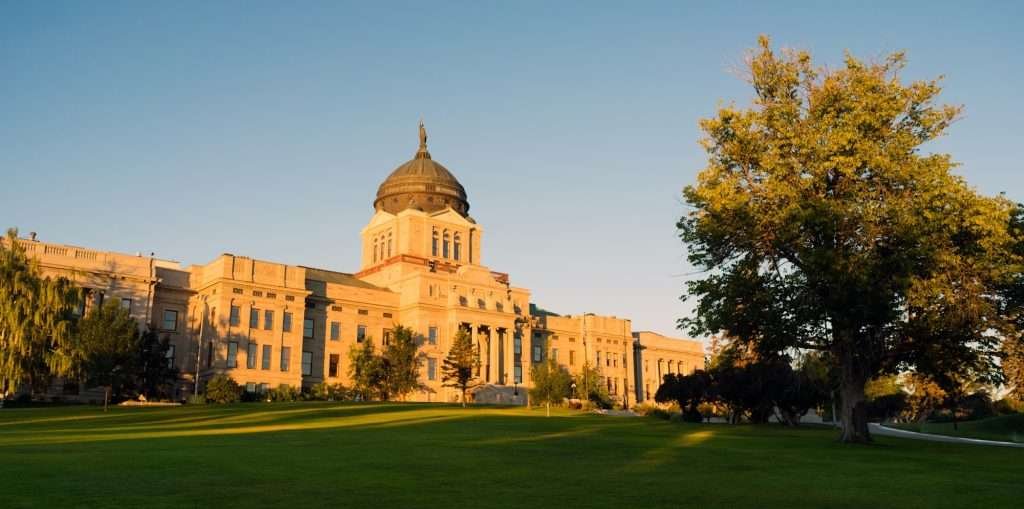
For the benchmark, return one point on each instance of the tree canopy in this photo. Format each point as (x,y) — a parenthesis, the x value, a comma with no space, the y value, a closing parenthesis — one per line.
(109,343)
(36,334)
(822,224)
(550,383)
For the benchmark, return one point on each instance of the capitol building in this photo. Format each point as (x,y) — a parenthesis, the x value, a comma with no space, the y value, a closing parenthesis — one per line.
(265,323)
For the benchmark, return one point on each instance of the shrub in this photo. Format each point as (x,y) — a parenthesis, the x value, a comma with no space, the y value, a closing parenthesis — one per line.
(196,399)
(1007,406)
(283,393)
(327,392)
(222,389)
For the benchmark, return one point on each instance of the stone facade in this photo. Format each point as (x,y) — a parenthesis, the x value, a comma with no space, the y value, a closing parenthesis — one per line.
(266,323)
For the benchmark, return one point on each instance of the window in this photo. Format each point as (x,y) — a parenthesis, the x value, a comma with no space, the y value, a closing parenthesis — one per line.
(554,354)
(271,295)
(307,363)
(268,320)
(332,369)
(431,368)
(432,335)
(257,293)
(236,315)
(267,352)
(335,331)
(232,354)
(433,244)
(264,388)
(250,356)
(387,337)
(444,246)
(170,320)
(458,246)
(360,333)
(170,356)
(598,363)
(286,322)
(254,318)
(126,304)
(389,243)
(236,290)
(537,353)
(286,353)
(518,374)
(375,250)
(572,357)
(209,354)
(517,345)
(250,387)
(307,328)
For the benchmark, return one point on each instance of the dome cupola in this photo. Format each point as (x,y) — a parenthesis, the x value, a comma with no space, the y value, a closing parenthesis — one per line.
(421,184)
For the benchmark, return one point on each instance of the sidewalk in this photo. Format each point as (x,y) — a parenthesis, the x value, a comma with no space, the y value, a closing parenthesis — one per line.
(878,429)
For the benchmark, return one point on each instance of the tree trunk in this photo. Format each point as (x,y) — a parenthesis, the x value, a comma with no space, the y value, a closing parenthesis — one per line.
(548,405)
(853,405)
(463,397)
(106,397)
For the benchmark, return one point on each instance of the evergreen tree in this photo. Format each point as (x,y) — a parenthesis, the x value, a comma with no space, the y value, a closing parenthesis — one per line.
(462,360)
(109,342)
(36,340)
(155,375)
(366,369)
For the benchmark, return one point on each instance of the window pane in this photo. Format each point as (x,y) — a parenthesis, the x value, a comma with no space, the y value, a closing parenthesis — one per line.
(335,331)
(250,356)
(307,328)
(232,354)
(431,368)
(268,320)
(170,356)
(360,333)
(519,375)
(286,353)
(286,323)
(333,368)
(170,320)
(254,318)
(126,304)
(307,363)
(235,317)
(432,335)
(267,352)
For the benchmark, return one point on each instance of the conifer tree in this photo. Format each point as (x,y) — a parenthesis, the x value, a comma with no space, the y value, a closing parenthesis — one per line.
(458,367)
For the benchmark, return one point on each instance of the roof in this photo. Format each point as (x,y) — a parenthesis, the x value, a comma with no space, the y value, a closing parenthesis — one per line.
(339,278)
(423,184)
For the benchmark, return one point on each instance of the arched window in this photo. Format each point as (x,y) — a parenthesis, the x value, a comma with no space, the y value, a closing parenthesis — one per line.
(389,244)
(433,245)
(458,246)
(375,250)
(447,242)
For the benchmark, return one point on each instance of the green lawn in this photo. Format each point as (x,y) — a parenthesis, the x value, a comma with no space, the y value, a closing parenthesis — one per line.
(307,455)
(1005,428)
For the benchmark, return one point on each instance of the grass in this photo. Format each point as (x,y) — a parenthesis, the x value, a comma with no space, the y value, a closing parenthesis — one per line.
(1005,428)
(409,455)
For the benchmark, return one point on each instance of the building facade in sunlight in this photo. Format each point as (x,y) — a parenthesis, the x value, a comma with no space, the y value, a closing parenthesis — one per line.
(266,323)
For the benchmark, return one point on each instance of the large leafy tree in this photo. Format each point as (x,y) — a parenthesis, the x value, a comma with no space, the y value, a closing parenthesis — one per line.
(402,360)
(109,342)
(36,340)
(821,224)
(458,367)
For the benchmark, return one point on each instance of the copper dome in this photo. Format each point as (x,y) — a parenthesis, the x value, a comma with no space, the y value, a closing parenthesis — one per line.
(421,184)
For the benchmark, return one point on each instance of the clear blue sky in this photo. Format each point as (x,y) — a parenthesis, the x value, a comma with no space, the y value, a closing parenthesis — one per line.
(195,128)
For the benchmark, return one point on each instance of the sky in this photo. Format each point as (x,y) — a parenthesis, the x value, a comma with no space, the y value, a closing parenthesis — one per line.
(189,129)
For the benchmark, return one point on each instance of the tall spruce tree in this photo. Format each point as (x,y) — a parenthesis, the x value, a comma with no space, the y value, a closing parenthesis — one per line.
(458,367)
(36,340)
(821,224)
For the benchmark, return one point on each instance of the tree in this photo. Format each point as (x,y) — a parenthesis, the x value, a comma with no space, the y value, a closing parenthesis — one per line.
(402,361)
(550,383)
(36,340)
(367,371)
(155,375)
(223,389)
(589,382)
(457,369)
(821,225)
(108,338)
(688,391)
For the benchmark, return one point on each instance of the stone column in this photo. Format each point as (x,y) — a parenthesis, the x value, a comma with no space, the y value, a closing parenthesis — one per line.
(476,344)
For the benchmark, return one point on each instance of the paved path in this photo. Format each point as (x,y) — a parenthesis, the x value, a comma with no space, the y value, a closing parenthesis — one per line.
(878,429)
